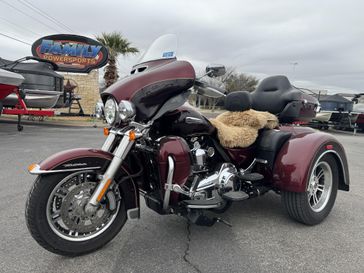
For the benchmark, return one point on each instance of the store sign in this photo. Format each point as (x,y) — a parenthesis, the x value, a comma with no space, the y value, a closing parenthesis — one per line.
(71,53)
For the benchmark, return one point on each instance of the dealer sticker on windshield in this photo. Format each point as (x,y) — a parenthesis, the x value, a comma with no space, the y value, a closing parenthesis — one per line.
(168,54)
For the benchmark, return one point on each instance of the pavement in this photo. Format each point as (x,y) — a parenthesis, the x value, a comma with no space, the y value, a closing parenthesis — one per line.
(55,121)
(262,238)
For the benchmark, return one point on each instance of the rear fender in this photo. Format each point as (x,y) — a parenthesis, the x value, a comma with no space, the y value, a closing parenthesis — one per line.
(91,159)
(297,156)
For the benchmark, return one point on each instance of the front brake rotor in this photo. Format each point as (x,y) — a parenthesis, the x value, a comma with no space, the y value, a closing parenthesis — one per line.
(73,213)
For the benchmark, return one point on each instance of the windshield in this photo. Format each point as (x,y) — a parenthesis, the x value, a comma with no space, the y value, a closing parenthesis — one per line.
(164,47)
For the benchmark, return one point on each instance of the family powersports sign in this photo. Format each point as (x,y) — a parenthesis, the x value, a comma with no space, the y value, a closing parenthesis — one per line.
(72,53)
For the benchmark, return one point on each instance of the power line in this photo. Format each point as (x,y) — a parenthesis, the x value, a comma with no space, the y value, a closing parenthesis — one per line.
(15,39)
(53,29)
(19,26)
(45,14)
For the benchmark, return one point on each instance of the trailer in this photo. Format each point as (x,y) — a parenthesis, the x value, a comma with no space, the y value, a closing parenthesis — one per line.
(29,88)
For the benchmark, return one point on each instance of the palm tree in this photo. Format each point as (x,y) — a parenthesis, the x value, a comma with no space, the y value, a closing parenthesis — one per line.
(116,44)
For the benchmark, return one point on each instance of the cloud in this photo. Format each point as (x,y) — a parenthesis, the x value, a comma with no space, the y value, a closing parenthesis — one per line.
(261,37)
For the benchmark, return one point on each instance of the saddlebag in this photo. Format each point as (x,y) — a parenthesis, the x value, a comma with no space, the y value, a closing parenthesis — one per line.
(269,143)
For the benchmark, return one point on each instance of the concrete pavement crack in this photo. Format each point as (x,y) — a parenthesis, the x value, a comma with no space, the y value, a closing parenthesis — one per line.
(188,248)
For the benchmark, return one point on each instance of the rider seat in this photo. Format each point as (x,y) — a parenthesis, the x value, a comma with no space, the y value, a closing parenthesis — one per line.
(239,126)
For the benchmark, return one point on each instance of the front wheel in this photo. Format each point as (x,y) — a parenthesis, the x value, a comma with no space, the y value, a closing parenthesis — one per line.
(56,218)
(312,206)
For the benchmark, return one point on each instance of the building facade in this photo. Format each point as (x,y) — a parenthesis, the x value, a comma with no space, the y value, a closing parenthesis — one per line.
(87,90)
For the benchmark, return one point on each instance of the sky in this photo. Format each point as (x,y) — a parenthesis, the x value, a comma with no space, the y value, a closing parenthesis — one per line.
(317,44)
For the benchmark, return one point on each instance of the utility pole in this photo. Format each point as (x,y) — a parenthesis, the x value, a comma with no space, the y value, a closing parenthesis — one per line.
(294,64)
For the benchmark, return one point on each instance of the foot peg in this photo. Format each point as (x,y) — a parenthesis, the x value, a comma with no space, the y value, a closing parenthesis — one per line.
(252,177)
(235,196)
(203,204)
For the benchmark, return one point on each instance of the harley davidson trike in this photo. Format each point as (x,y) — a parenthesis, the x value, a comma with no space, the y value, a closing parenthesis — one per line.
(161,149)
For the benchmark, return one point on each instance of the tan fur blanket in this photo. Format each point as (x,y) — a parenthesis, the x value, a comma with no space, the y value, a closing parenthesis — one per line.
(240,129)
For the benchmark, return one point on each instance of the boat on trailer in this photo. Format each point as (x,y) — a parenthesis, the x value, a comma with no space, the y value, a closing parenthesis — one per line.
(42,86)
(9,81)
(26,85)
(336,111)
(359,108)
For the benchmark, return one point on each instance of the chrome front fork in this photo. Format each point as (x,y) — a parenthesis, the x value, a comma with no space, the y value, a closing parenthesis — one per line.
(119,155)
(109,141)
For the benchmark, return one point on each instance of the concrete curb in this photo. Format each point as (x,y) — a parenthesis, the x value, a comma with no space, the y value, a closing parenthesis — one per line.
(56,123)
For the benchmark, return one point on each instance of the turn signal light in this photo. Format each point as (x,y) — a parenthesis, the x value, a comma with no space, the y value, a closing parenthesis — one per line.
(132,135)
(106,131)
(31,167)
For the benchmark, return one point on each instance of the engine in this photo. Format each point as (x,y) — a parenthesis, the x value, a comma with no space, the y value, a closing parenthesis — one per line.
(202,174)
(209,175)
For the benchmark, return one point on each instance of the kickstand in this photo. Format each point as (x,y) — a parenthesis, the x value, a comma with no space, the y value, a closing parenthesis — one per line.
(219,220)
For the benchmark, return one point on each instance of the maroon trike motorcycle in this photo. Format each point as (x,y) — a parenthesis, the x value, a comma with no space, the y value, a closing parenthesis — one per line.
(160,148)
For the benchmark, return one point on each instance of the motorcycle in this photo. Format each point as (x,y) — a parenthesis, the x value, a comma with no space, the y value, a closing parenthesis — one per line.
(170,154)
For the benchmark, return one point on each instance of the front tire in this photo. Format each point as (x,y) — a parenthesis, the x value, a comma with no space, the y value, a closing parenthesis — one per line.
(313,206)
(71,233)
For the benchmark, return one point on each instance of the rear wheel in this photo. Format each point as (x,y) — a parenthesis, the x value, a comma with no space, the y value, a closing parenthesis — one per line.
(313,206)
(57,220)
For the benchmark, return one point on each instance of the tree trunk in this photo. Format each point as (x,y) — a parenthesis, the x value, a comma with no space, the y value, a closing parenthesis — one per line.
(111,72)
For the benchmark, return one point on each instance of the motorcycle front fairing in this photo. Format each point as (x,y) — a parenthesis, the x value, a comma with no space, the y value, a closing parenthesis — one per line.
(150,89)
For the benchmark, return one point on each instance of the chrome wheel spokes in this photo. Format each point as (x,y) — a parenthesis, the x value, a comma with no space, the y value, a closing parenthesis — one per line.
(320,186)
(65,208)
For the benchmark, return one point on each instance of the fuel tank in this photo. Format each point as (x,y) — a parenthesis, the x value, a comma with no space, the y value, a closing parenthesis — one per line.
(185,122)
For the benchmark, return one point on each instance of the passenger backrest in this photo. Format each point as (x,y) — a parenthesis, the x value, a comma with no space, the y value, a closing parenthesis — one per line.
(273,94)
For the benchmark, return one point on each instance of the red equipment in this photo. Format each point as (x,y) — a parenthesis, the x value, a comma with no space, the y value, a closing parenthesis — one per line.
(21,109)
(10,84)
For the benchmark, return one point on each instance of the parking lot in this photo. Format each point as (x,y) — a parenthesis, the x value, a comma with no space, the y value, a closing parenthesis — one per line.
(262,238)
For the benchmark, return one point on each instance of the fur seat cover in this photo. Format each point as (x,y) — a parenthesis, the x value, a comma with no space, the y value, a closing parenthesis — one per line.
(240,129)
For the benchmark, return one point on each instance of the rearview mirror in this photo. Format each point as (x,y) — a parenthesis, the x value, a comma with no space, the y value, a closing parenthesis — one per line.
(215,70)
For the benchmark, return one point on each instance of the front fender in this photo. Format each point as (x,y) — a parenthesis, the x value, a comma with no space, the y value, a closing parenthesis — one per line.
(72,160)
(296,158)
(91,159)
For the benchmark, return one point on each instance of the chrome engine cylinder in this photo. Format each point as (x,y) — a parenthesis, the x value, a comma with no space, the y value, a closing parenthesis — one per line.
(200,157)
(220,179)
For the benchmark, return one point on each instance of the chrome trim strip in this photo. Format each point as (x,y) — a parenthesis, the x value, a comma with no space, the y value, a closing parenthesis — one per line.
(192,120)
(341,161)
(203,206)
(169,183)
(36,170)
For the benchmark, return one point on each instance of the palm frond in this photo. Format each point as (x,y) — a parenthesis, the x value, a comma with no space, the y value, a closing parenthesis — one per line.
(116,44)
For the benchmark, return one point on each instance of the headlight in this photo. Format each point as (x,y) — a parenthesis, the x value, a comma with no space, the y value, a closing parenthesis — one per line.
(111,111)
(126,110)
(99,110)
